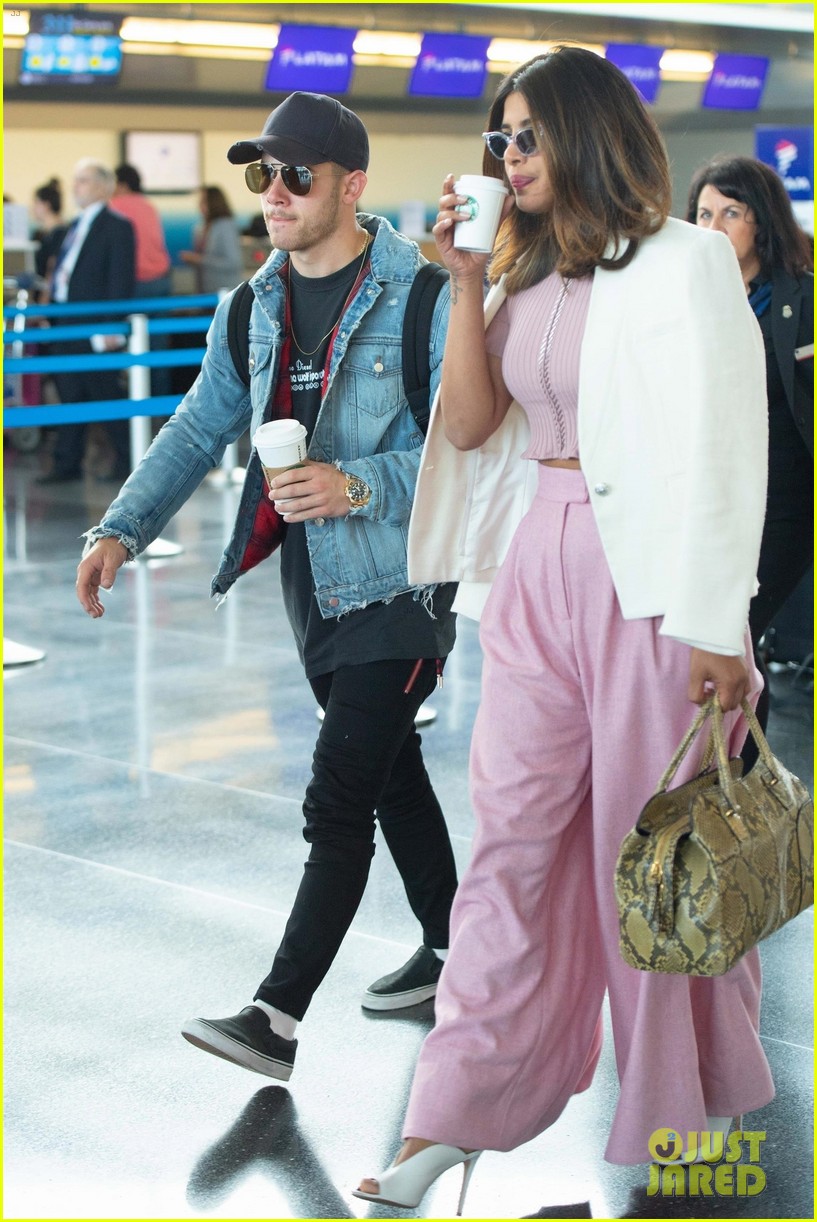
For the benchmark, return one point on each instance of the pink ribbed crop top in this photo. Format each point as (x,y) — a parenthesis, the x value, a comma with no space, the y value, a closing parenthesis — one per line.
(538,333)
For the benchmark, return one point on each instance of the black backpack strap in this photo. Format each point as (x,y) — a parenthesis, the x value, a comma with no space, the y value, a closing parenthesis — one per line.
(416,339)
(238,330)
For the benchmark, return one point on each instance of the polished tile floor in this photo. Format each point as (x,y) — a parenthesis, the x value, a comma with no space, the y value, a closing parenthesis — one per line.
(154,767)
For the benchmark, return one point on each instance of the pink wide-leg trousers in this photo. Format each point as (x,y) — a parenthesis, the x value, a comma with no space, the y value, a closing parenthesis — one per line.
(581,711)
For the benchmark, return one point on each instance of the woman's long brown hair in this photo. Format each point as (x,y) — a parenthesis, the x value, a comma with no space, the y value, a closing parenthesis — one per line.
(606,162)
(216,203)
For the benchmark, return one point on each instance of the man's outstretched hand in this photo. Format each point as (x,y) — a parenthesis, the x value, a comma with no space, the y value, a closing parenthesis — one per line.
(99,568)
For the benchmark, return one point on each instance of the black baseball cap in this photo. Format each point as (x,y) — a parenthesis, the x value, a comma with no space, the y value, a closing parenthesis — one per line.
(305,129)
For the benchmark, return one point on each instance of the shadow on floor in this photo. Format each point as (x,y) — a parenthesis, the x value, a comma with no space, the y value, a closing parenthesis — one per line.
(267,1139)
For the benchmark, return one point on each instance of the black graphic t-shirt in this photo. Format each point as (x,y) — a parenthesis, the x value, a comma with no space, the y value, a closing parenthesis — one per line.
(315,305)
(399,629)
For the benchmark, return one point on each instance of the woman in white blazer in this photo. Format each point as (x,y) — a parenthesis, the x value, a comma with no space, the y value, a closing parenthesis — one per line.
(619,510)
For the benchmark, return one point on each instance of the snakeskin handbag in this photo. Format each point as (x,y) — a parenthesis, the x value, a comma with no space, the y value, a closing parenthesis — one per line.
(717,864)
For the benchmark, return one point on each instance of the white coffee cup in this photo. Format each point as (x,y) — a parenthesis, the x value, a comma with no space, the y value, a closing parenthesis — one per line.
(484,203)
(281,444)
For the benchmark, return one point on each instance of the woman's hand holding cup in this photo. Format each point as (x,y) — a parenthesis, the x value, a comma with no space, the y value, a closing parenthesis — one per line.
(461,263)
(485,214)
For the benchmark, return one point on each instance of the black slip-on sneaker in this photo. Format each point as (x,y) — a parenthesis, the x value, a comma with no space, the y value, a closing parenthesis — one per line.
(245,1039)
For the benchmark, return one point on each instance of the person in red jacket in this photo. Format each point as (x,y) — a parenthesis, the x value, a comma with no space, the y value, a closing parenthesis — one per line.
(152,259)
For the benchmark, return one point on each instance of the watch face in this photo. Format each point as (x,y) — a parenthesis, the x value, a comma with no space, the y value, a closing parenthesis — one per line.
(357,491)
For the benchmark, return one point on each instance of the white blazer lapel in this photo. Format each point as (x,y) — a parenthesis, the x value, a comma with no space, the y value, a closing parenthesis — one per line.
(496,295)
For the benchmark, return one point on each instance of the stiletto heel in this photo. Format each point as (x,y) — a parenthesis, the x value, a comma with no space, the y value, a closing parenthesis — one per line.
(467,1172)
(405,1184)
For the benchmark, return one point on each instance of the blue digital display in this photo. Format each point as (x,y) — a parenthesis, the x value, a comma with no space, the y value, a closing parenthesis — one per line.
(736,82)
(316,58)
(71,48)
(641,65)
(450,66)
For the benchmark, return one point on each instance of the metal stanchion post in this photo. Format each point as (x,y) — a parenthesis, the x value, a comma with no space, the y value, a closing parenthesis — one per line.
(138,388)
(140,432)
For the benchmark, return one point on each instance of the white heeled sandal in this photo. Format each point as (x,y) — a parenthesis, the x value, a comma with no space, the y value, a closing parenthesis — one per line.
(405,1184)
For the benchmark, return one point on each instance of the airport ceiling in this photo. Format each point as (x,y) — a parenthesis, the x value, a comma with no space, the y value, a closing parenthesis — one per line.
(784,32)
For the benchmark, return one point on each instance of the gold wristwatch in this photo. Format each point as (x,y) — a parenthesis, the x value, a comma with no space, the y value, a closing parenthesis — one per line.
(358,493)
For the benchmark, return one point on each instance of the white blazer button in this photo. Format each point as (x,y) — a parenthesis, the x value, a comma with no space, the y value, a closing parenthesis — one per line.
(601,489)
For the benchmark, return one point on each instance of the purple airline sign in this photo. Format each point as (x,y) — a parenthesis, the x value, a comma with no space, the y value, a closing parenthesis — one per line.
(312,57)
(736,82)
(450,66)
(641,66)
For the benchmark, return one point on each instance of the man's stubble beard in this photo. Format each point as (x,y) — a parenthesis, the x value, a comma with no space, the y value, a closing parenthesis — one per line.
(316,229)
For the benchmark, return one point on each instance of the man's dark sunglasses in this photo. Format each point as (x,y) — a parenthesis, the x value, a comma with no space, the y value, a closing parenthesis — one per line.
(296,178)
(498,142)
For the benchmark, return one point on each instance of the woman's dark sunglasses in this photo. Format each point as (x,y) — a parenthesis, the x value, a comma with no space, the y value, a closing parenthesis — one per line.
(296,178)
(498,142)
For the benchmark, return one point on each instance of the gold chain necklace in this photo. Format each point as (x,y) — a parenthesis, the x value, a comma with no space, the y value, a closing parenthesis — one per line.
(342,309)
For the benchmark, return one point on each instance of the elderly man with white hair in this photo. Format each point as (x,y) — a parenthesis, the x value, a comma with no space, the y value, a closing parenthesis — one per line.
(96,262)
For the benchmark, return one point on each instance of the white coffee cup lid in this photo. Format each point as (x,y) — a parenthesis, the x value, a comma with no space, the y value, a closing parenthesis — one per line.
(278,432)
(480,181)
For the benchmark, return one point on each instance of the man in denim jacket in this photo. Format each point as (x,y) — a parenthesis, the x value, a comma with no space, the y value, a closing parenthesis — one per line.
(324,347)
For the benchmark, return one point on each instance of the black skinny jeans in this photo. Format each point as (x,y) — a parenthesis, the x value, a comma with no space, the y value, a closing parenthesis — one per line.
(367,759)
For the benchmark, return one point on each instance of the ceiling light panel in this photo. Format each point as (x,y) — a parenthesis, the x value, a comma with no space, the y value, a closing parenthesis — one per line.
(15,23)
(200,33)
(372,42)
(687,63)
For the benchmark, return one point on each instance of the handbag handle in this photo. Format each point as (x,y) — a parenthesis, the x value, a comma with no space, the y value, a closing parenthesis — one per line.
(712,707)
(684,745)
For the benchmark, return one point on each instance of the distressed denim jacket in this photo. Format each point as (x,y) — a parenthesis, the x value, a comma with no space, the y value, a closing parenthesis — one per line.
(364,426)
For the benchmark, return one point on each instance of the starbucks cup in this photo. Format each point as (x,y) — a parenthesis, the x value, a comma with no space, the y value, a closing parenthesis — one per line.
(483,206)
(281,444)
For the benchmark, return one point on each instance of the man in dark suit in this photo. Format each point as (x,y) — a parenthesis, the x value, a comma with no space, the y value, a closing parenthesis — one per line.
(96,262)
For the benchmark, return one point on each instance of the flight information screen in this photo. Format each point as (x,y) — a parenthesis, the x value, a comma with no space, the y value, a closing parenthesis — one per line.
(71,48)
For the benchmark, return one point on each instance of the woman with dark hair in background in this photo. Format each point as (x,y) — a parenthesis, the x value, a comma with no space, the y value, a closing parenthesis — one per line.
(627,340)
(747,201)
(46,208)
(217,255)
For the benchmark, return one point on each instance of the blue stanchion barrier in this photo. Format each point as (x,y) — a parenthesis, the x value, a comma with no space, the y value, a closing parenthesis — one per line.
(40,415)
(55,335)
(178,326)
(104,360)
(133,305)
(85,413)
